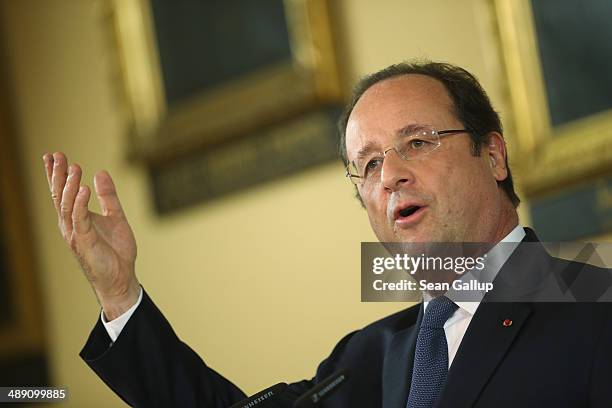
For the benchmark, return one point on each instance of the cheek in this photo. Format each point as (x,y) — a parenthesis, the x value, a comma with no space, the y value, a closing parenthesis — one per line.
(480,190)
(452,188)
(462,190)
(372,207)
(377,214)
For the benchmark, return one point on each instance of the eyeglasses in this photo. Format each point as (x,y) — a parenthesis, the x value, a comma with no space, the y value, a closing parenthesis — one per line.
(366,170)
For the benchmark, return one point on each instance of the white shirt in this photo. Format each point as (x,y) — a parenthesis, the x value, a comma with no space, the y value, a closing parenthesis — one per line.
(456,325)
(454,328)
(115,326)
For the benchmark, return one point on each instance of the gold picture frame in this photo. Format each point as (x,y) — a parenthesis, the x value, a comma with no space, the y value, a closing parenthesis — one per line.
(158,132)
(550,158)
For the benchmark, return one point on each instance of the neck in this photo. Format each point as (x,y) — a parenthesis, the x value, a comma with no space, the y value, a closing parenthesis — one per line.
(508,221)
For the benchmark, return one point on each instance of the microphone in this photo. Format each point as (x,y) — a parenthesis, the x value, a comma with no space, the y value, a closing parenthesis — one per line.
(263,398)
(322,390)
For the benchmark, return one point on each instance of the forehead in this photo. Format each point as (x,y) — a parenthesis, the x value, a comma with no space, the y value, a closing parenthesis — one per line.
(395,103)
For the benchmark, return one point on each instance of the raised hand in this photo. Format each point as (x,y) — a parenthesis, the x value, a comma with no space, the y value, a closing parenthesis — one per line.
(103,243)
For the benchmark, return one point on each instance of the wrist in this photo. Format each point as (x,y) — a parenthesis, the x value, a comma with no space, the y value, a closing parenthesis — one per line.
(115,305)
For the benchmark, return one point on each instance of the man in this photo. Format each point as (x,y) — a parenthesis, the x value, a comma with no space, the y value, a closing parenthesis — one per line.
(426,153)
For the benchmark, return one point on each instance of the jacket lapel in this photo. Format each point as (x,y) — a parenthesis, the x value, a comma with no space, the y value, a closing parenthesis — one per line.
(487,340)
(398,364)
(482,349)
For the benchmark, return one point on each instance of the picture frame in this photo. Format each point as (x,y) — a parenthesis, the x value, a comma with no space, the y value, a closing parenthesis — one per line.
(160,131)
(551,157)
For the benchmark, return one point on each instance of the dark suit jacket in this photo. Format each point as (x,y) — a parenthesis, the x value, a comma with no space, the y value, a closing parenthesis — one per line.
(553,355)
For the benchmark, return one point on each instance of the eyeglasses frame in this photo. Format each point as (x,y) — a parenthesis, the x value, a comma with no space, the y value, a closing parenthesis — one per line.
(439,133)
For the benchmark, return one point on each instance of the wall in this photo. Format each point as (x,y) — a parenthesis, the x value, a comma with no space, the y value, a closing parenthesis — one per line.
(262,284)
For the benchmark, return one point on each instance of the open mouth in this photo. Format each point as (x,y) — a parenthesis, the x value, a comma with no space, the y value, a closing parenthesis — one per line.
(408,211)
(409,215)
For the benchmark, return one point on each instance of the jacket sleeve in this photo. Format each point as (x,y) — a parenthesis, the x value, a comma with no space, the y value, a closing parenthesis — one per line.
(149,366)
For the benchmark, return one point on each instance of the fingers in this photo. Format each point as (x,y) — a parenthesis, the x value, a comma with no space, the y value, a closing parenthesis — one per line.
(48,160)
(69,194)
(81,219)
(58,179)
(107,194)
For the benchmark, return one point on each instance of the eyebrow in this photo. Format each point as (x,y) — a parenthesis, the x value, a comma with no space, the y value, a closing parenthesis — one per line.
(366,150)
(403,131)
(410,129)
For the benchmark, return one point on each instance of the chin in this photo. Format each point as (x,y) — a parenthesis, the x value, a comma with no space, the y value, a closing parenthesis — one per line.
(416,236)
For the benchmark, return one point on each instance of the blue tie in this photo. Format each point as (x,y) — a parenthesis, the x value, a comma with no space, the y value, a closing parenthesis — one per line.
(431,355)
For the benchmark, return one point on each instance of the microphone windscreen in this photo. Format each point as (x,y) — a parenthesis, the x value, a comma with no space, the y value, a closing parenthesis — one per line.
(322,390)
(263,398)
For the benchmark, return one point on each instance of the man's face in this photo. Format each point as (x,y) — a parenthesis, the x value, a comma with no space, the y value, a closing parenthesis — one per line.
(456,193)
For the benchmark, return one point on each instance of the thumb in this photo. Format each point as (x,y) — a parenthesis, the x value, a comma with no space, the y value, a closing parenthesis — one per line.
(107,194)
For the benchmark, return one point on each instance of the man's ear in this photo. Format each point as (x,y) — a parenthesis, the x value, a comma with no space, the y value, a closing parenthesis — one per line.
(496,154)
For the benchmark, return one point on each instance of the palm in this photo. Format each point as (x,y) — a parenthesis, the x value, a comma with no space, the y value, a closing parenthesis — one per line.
(107,251)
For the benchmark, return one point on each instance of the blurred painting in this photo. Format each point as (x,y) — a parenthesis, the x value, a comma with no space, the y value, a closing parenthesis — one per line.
(252,81)
(558,56)
(573,40)
(204,44)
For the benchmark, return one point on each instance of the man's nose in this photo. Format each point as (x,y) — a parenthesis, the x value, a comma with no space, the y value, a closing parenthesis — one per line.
(395,171)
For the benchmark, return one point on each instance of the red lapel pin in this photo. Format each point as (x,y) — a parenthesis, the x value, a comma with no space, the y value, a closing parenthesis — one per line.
(507,323)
